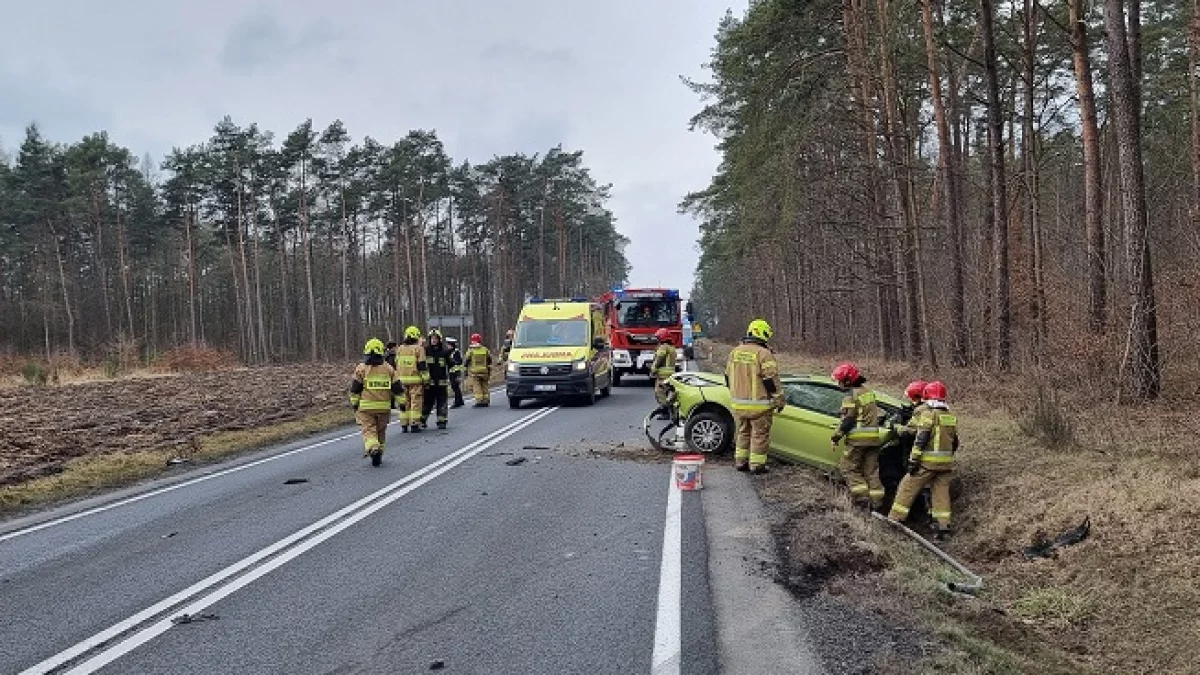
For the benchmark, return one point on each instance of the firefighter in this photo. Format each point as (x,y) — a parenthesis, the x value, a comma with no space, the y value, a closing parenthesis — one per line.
(479,369)
(664,364)
(752,376)
(507,346)
(931,461)
(901,421)
(437,355)
(372,390)
(864,436)
(456,371)
(413,372)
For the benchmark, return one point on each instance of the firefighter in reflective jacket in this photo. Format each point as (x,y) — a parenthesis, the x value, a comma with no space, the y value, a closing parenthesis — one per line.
(752,375)
(413,373)
(371,392)
(932,459)
(456,371)
(479,369)
(664,364)
(864,436)
(437,395)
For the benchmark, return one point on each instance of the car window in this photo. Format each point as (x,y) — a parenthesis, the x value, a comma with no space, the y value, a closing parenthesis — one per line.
(816,397)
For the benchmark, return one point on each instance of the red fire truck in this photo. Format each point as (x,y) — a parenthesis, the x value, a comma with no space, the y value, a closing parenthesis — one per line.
(632,316)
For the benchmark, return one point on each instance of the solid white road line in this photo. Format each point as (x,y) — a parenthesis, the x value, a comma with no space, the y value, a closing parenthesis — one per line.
(668,629)
(176,486)
(278,554)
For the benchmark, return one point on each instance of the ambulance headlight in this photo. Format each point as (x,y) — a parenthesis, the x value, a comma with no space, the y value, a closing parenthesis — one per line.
(513,366)
(581,365)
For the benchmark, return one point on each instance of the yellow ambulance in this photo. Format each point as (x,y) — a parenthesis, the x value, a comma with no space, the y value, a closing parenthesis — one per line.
(560,349)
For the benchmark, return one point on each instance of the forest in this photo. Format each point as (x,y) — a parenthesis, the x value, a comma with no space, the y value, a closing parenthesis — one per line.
(1007,185)
(283,251)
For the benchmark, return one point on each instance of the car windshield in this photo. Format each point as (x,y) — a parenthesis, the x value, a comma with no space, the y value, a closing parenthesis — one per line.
(649,313)
(552,333)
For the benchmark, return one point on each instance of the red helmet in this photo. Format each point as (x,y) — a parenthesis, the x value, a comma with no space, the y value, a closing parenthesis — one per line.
(935,391)
(476,337)
(915,390)
(846,374)
(663,335)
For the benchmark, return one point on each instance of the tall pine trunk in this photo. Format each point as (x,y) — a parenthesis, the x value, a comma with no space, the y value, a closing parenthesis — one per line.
(1141,362)
(1093,189)
(999,193)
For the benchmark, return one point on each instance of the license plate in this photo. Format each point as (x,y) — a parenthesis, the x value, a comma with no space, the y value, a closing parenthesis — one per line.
(545,387)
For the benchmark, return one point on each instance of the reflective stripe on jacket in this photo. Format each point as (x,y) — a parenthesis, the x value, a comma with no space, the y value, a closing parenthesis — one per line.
(749,364)
(862,405)
(376,393)
(410,364)
(479,360)
(937,437)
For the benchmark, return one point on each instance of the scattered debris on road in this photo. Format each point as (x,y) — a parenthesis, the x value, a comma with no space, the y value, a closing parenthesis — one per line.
(515,461)
(295,481)
(169,535)
(497,454)
(177,460)
(437,665)
(193,618)
(535,447)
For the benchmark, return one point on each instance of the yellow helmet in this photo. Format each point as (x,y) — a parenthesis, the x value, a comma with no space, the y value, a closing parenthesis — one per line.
(412,333)
(373,346)
(761,330)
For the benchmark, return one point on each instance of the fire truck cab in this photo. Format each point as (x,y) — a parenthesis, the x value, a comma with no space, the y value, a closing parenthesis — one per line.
(632,316)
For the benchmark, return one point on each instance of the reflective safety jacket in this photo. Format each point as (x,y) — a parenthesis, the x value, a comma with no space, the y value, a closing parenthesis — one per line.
(860,420)
(753,376)
(438,359)
(411,367)
(373,386)
(456,362)
(664,361)
(907,425)
(937,437)
(479,360)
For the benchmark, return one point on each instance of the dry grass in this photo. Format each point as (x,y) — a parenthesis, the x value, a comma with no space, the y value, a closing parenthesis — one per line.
(90,474)
(1125,600)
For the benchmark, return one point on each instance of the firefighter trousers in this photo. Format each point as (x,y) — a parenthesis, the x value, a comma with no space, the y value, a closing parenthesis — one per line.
(414,403)
(753,436)
(374,429)
(456,385)
(938,481)
(479,387)
(437,396)
(660,390)
(860,468)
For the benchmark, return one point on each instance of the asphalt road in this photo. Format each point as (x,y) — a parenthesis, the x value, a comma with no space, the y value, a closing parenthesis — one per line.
(445,559)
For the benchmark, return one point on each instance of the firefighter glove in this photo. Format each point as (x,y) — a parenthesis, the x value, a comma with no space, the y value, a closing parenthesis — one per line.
(914,467)
(778,402)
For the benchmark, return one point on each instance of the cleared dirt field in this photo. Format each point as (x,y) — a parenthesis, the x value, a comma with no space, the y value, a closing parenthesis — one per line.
(43,428)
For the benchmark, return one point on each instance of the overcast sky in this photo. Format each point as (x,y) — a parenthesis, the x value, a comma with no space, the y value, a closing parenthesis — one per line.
(490,77)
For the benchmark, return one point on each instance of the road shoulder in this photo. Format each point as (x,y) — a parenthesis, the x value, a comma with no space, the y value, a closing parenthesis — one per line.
(760,629)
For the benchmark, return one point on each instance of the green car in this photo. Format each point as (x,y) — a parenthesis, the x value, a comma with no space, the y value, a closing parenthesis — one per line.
(798,434)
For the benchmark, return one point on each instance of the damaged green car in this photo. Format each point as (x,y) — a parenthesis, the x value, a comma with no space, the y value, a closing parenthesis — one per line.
(703,419)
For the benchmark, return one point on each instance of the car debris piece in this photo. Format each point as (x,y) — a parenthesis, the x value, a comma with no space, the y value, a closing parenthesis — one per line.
(193,618)
(295,481)
(176,460)
(497,454)
(534,447)
(1044,547)
(437,665)
(169,535)
(515,461)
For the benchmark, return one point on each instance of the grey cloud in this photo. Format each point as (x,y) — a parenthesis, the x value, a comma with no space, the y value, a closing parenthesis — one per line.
(260,40)
(522,54)
(60,114)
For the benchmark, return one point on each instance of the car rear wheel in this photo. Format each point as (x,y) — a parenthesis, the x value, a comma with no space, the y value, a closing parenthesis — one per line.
(709,432)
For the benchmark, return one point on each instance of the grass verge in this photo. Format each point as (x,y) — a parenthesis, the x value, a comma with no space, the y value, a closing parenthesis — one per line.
(90,474)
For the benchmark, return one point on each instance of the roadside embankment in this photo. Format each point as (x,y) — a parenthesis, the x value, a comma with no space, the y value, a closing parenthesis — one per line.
(1035,462)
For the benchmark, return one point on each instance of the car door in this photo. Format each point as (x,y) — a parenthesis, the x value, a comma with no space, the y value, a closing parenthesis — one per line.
(801,432)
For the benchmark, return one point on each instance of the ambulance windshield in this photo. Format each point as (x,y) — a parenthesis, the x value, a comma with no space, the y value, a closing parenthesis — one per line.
(552,333)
